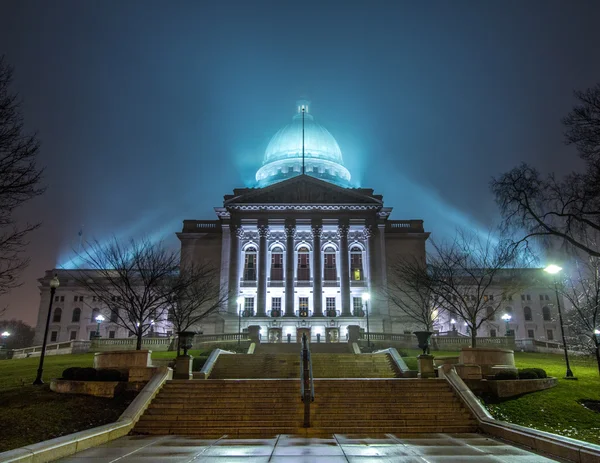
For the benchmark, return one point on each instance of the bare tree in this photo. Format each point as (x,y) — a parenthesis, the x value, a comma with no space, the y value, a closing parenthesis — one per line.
(410,290)
(567,209)
(470,276)
(20,181)
(131,280)
(195,293)
(582,289)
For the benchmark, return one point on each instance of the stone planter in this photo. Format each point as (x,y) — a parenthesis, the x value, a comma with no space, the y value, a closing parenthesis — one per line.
(486,358)
(511,388)
(186,340)
(439,361)
(123,359)
(96,388)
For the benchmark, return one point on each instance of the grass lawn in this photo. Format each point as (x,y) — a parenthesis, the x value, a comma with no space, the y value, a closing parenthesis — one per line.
(555,410)
(32,414)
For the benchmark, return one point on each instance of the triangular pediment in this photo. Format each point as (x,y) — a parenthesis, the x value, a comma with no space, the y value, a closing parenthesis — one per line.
(304,189)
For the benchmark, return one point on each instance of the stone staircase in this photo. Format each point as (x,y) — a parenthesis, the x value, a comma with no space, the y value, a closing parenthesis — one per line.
(379,406)
(294,348)
(213,408)
(265,408)
(281,366)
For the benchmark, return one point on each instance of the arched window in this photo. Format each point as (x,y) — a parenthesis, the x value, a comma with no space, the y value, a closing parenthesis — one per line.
(57,315)
(303,264)
(250,264)
(329,268)
(527,314)
(356,263)
(546,313)
(277,264)
(76,315)
(95,313)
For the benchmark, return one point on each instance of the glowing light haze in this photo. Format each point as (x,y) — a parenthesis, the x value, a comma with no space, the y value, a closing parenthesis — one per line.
(150,111)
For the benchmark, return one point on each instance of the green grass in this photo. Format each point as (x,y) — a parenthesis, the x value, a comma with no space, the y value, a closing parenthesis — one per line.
(556,410)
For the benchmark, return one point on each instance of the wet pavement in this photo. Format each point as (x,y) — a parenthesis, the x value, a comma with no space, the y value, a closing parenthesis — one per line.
(426,448)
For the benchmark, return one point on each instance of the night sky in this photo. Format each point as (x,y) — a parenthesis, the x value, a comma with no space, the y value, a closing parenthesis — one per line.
(149,112)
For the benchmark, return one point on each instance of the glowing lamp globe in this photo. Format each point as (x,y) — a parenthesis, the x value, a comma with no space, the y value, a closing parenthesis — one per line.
(552,269)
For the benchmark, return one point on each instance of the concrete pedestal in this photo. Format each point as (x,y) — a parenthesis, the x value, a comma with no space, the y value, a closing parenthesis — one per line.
(254,333)
(123,359)
(425,363)
(183,367)
(353,333)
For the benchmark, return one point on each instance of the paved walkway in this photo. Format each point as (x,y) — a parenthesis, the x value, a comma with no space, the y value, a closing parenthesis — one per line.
(429,448)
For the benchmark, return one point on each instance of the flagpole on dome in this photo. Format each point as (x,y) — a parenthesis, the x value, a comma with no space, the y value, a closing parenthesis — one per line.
(303,139)
(80,238)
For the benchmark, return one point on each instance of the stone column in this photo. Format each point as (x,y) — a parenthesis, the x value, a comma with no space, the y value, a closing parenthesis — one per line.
(343,229)
(371,235)
(317,231)
(261,297)
(237,232)
(290,233)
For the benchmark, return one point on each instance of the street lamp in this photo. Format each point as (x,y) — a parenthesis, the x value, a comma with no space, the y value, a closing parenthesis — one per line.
(240,300)
(365,299)
(453,323)
(54,283)
(100,318)
(553,270)
(507,318)
(4,335)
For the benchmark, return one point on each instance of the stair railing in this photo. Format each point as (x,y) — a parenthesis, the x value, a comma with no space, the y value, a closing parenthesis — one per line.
(307,386)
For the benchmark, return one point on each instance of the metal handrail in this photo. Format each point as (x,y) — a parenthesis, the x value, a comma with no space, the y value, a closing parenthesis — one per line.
(307,387)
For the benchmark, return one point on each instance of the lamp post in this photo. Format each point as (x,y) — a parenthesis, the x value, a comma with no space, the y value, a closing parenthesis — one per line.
(100,318)
(553,270)
(54,283)
(507,318)
(365,298)
(4,335)
(453,323)
(240,300)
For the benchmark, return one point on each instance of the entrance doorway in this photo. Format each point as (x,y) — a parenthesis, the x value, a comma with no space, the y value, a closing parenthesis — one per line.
(300,332)
(332,334)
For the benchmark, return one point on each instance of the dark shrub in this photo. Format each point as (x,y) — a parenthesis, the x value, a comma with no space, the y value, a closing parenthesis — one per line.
(108,375)
(69,373)
(85,374)
(528,373)
(506,375)
(540,372)
(198,363)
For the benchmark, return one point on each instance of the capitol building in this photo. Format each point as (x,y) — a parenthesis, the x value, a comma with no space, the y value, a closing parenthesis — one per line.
(303,252)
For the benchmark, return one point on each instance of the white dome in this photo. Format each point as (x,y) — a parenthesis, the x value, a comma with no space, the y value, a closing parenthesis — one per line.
(322,154)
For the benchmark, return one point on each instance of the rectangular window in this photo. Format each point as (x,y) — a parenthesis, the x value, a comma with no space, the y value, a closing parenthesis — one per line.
(276,307)
(491,315)
(169,333)
(550,335)
(303,265)
(330,306)
(62,298)
(329,269)
(492,333)
(250,267)
(56,298)
(357,306)
(510,333)
(73,336)
(94,298)
(528,297)
(248,307)
(486,298)
(92,334)
(303,306)
(53,336)
(356,266)
(80,298)
(530,334)
(75,299)
(131,333)
(114,316)
(522,297)
(541,297)
(111,335)
(546,297)
(277,266)
(491,297)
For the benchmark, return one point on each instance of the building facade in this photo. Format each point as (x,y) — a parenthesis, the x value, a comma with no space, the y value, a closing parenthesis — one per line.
(303,252)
